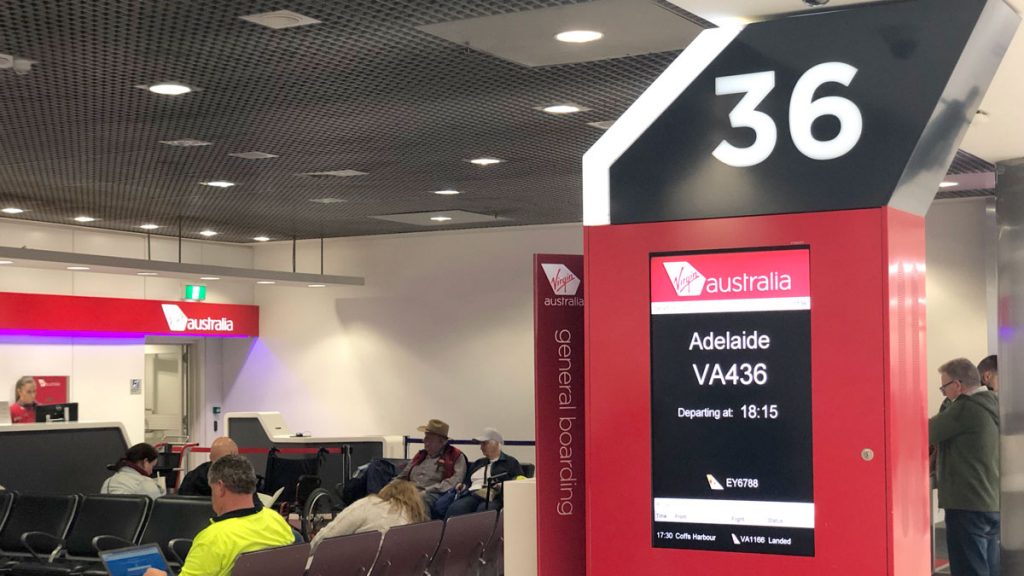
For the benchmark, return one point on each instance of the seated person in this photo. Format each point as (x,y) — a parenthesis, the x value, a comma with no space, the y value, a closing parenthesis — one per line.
(239,526)
(23,411)
(133,474)
(195,482)
(481,490)
(397,504)
(438,467)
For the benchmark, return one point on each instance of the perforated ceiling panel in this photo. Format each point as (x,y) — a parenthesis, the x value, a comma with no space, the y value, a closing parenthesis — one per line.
(363,90)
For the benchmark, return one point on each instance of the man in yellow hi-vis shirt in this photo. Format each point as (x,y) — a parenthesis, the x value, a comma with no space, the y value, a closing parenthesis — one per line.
(239,525)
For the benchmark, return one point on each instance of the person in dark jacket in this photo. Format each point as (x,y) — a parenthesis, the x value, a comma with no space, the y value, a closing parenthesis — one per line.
(482,488)
(967,439)
(196,482)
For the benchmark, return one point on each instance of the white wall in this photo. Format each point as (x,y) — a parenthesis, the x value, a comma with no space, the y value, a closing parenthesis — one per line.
(442,329)
(961,247)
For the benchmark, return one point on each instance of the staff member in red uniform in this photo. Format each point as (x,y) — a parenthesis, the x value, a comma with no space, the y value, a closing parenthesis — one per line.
(24,410)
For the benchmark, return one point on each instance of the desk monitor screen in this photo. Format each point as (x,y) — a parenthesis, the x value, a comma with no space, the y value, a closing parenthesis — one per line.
(134,561)
(67,412)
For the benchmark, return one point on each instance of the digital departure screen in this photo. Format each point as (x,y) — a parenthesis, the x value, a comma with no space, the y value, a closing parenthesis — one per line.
(731,401)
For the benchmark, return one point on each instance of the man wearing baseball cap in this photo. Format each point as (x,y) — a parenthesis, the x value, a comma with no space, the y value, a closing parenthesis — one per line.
(483,482)
(438,467)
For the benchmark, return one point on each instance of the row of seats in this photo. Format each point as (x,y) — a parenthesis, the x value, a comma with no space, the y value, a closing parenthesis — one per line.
(63,535)
(77,527)
(470,545)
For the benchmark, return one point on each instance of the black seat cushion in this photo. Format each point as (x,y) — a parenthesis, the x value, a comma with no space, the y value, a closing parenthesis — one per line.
(36,513)
(176,517)
(119,515)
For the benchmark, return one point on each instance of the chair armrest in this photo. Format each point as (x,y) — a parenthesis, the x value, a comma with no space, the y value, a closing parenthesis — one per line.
(106,542)
(41,544)
(179,549)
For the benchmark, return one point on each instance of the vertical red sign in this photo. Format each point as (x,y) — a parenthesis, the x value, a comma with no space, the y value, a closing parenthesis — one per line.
(51,389)
(558,382)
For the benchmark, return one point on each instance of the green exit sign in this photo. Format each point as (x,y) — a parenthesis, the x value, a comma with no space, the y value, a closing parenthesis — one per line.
(195,292)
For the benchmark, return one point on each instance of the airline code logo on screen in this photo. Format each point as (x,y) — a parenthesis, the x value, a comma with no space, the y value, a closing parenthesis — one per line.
(177,321)
(563,281)
(688,281)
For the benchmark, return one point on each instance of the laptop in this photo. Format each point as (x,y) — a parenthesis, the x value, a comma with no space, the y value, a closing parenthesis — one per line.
(134,561)
(5,413)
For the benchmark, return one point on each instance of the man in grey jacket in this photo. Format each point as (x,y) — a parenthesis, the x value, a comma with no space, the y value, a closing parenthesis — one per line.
(966,435)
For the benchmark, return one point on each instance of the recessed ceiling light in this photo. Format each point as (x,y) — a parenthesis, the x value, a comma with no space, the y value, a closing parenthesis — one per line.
(185,143)
(280,19)
(328,200)
(84,219)
(563,109)
(218,183)
(317,285)
(146,273)
(441,218)
(169,89)
(447,192)
(2,262)
(77,268)
(486,161)
(261,239)
(578,36)
(602,124)
(149,226)
(12,210)
(253,155)
(207,233)
(209,278)
(948,184)
(265,282)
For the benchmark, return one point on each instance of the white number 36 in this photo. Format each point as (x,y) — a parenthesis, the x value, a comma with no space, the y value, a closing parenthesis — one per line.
(803,110)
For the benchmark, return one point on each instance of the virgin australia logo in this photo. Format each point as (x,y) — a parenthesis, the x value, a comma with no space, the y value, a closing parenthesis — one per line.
(686,280)
(563,281)
(177,321)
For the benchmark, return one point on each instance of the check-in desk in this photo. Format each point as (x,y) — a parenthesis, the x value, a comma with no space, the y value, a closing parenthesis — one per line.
(59,458)
(345,454)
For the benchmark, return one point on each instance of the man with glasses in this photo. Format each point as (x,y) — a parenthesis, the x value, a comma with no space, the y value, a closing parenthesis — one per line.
(966,436)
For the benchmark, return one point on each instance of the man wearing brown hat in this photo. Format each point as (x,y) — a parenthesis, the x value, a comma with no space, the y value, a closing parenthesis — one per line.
(438,467)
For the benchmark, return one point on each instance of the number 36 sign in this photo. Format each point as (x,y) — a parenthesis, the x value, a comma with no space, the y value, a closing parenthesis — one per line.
(850,108)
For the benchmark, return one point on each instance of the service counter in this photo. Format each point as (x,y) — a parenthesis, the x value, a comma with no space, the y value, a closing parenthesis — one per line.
(59,458)
(344,454)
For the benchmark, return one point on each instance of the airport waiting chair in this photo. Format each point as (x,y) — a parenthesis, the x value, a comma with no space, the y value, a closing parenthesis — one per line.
(171,518)
(6,500)
(115,515)
(462,543)
(406,550)
(34,513)
(351,555)
(282,561)
(493,558)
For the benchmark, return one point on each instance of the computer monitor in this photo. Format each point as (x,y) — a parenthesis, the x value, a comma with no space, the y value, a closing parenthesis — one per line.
(134,561)
(67,412)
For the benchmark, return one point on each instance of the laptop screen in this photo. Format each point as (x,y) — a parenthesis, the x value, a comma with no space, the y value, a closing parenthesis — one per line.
(134,561)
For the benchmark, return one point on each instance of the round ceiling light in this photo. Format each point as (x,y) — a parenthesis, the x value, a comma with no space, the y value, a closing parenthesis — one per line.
(578,36)
(218,183)
(486,161)
(261,239)
(208,233)
(169,89)
(447,192)
(78,268)
(12,210)
(562,109)
(441,218)
(149,226)
(84,219)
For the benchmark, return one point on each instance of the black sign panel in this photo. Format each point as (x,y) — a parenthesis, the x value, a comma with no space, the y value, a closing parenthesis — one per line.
(853,108)
(731,425)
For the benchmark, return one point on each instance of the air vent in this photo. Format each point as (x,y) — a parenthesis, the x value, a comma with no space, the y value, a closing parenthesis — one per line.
(334,173)
(185,143)
(280,19)
(253,155)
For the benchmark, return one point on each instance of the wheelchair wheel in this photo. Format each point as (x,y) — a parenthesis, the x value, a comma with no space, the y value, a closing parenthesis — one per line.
(318,512)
